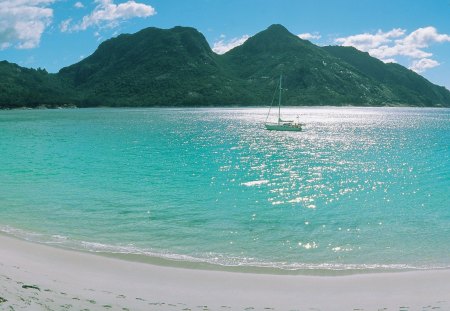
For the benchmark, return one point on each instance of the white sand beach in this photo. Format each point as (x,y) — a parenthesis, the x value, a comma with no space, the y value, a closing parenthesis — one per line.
(39,277)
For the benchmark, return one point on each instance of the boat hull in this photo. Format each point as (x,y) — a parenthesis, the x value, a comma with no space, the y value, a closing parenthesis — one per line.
(283,127)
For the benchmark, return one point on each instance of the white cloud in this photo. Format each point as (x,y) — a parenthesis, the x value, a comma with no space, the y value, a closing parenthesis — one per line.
(108,14)
(64,25)
(423,64)
(78,5)
(22,22)
(222,46)
(422,37)
(389,60)
(367,41)
(309,36)
(388,45)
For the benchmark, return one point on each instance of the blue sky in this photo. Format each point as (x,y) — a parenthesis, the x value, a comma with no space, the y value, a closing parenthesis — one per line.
(52,34)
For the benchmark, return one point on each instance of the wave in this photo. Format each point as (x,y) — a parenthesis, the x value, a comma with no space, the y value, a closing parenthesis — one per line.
(217,261)
(255,183)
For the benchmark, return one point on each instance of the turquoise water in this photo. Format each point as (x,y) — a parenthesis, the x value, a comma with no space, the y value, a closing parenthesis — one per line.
(359,188)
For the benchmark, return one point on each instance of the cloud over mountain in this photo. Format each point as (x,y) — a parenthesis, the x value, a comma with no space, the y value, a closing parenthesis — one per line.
(423,64)
(222,46)
(309,36)
(109,14)
(386,46)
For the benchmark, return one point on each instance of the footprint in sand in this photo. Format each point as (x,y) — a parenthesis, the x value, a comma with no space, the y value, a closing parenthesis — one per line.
(31,287)
(67,306)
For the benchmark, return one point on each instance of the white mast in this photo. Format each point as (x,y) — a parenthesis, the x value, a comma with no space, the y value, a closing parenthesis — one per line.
(279,102)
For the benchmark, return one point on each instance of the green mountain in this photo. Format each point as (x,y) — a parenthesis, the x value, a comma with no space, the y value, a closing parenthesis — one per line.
(176,67)
(312,75)
(23,87)
(406,85)
(154,67)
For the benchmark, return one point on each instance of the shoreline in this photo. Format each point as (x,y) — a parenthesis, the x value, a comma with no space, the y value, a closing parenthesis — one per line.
(198,263)
(75,107)
(41,277)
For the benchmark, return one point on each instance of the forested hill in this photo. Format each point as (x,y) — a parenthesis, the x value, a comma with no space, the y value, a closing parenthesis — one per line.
(176,67)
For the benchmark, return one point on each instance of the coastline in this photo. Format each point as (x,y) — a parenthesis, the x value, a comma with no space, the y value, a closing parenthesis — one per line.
(237,106)
(41,277)
(198,263)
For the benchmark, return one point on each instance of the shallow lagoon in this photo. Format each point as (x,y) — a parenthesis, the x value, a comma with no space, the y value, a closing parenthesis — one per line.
(359,188)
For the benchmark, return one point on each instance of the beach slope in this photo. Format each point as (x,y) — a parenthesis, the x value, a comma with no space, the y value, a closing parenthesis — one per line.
(39,277)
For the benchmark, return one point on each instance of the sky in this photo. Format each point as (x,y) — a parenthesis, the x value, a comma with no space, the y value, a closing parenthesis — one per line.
(52,34)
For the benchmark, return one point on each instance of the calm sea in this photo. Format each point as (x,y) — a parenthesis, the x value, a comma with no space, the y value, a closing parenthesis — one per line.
(358,189)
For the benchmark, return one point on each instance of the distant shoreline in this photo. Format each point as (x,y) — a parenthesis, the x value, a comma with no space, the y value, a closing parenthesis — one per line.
(46,107)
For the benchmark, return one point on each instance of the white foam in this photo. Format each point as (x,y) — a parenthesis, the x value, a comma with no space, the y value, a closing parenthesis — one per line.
(209,258)
(255,183)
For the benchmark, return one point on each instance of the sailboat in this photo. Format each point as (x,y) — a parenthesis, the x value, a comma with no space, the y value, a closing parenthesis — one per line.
(282,125)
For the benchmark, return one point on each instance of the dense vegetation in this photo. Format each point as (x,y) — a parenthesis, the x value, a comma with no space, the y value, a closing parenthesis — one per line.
(21,87)
(176,67)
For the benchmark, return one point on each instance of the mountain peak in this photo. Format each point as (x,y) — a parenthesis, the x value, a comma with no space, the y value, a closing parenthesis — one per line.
(277,28)
(275,39)
(276,32)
